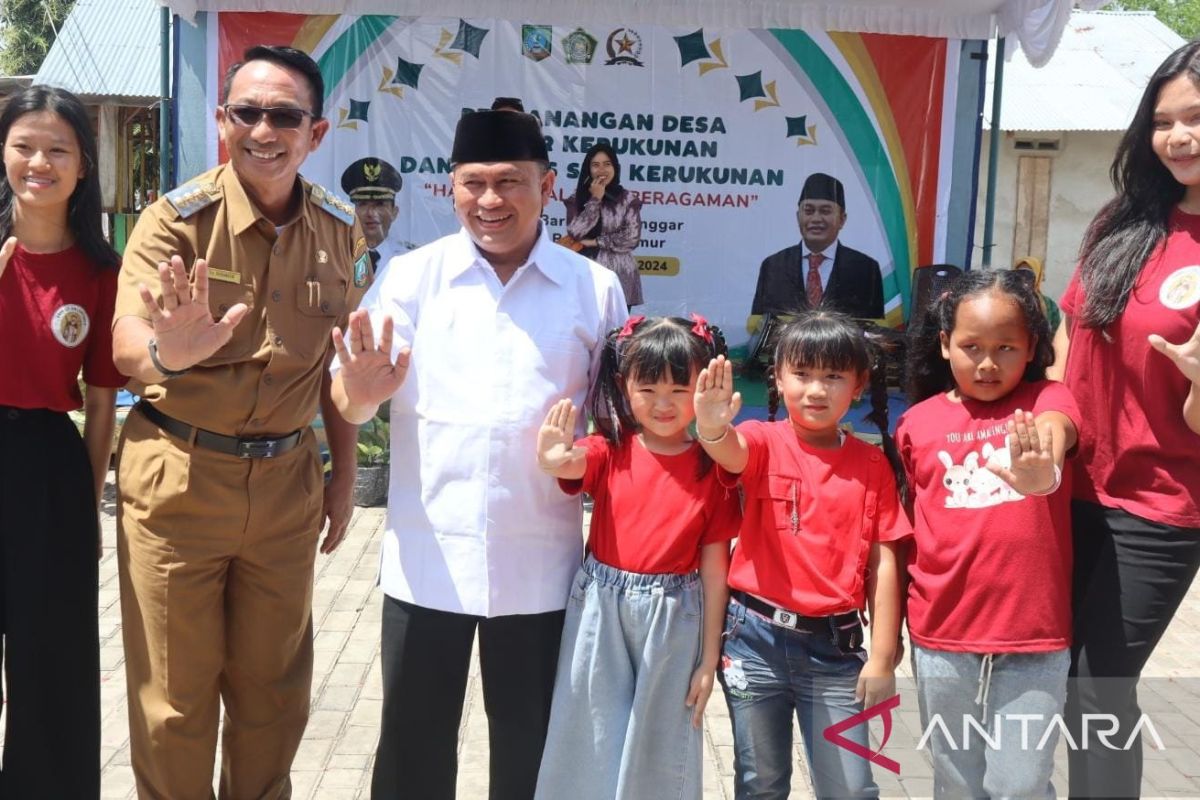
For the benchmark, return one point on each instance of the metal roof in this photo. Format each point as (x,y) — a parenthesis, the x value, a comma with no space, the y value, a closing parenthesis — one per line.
(107,49)
(1093,81)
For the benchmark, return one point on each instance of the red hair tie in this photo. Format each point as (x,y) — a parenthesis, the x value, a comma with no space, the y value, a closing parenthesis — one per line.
(630,324)
(700,328)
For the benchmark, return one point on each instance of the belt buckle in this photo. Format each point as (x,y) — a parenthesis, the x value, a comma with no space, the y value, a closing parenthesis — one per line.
(787,619)
(257,448)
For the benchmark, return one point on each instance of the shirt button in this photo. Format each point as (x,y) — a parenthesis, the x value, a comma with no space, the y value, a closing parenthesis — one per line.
(278,341)
(325,306)
(276,295)
(268,379)
(223,307)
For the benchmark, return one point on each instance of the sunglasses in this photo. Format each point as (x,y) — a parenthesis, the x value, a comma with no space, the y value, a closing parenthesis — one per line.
(278,117)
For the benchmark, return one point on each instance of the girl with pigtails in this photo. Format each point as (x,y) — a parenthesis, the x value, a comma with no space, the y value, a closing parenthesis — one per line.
(989,603)
(643,626)
(821,526)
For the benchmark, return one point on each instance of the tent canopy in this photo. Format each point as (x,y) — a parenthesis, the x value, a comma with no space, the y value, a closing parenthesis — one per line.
(1036,24)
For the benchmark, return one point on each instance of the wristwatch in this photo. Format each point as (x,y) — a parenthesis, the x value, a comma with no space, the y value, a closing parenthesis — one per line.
(167,374)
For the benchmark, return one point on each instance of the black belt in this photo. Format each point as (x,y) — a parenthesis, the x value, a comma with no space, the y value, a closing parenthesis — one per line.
(790,619)
(230,445)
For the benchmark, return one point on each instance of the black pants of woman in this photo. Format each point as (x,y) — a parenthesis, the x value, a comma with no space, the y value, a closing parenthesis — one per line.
(48,609)
(1130,577)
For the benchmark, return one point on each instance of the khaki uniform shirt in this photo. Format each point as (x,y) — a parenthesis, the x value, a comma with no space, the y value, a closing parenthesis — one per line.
(298,282)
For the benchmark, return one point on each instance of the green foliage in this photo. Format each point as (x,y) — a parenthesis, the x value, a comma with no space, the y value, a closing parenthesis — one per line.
(29,30)
(374,443)
(1181,16)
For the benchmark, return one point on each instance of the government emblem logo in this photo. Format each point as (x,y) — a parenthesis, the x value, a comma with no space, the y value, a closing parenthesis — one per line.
(536,41)
(1181,289)
(624,46)
(579,47)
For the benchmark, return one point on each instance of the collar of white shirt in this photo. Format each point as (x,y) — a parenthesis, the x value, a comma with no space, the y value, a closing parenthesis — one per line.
(465,254)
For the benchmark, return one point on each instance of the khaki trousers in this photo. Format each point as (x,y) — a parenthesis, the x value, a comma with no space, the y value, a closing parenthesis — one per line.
(216,561)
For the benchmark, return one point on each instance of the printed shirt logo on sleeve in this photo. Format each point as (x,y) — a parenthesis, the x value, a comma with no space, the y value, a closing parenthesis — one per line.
(70,325)
(1181,289)
(971,484)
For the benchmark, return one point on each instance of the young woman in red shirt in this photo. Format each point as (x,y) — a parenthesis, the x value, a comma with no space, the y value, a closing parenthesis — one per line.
(820,529)
(58,279)
(989,607)
(1136,516)
(643,626)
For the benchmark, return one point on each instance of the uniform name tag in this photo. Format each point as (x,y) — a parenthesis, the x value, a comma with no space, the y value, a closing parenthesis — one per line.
(224,275)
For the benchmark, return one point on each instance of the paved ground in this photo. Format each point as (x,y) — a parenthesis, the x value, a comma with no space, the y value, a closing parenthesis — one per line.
(335,758)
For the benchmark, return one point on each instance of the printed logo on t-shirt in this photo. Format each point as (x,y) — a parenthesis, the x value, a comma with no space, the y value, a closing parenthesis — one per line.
(971,484)
(70,325)
(1181,289)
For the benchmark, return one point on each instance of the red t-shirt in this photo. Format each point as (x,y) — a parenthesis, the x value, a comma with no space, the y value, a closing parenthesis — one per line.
(809,519)
(651,514)
(1137,453)
(56,314)
(991,569)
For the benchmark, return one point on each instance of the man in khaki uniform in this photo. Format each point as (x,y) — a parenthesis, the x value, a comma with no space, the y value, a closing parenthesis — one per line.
(220,482)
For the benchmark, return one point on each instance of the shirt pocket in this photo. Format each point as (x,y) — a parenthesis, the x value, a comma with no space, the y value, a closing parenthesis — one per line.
(247,334)
(781,494)
(320,303)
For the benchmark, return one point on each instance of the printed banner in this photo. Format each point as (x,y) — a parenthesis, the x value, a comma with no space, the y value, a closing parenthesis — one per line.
(715,130)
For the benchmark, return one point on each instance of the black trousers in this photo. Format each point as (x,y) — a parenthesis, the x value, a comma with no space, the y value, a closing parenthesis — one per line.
(426,655)
(1130,577)
(48,609)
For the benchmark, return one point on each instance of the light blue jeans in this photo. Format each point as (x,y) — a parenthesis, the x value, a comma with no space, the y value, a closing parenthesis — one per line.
(1013,697)
(770,673)
(619,729)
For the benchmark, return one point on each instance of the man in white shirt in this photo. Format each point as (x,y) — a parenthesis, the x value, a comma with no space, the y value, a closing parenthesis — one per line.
(491,326)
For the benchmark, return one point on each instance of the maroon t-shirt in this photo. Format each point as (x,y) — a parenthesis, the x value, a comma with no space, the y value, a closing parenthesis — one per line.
(1136,452)
(56,314)
(990,571)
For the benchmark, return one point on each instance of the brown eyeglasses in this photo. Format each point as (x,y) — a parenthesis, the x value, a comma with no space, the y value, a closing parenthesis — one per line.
(277,117)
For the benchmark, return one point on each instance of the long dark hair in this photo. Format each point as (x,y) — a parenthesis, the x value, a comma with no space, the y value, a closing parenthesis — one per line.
(1130,226)
(928,372)
(83,207)
(647,350)
(583,189)
(833,341)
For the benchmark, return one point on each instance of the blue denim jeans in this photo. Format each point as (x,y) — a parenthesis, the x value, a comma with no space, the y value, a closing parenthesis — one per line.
(619,726)
(1012,698)
(770,673)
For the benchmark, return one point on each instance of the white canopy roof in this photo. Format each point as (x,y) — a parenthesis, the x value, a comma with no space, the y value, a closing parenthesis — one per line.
(1037,24)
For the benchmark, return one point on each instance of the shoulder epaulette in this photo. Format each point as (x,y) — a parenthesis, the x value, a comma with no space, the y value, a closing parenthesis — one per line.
(331,204)
(191,197)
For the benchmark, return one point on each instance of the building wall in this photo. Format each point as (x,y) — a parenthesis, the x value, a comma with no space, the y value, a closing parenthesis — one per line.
(1079,186)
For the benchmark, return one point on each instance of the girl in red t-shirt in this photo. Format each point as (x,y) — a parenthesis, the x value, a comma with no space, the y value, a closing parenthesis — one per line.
(57,289)
(643,627)
(989,607)
(818,540)
(1129,350)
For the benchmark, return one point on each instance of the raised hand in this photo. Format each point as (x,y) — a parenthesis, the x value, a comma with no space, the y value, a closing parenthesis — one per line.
(183,325)
(6,251)
(716,402)
(1031,455)
(556,437)
(369,376)
(1185,356)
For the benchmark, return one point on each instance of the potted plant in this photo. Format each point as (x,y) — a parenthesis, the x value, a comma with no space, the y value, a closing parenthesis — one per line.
(374,449)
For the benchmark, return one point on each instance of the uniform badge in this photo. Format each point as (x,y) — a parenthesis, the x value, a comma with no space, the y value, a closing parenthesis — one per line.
(224,275)
(322,257)
(70,325)
(362,268)
(1181,289)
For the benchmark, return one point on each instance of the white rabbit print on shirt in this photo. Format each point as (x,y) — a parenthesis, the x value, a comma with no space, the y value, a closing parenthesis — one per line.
(971,484)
